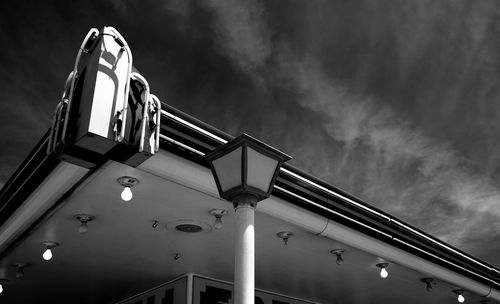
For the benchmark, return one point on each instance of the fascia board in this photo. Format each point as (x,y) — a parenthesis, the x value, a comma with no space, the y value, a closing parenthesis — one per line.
(58,182)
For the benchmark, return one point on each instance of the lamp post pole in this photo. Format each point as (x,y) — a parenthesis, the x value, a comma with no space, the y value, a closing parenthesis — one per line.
(244,260)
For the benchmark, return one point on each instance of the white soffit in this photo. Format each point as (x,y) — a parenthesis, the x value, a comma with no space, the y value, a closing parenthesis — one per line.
(60,180)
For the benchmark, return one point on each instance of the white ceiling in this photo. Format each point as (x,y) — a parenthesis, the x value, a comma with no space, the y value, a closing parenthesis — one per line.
(122,254)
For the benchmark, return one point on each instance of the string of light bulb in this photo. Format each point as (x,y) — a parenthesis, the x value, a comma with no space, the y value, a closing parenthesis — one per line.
(129,182)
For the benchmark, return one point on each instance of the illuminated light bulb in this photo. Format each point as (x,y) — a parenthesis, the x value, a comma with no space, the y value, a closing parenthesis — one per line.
(127,182)
(126,194)
(2,281)
(460,297)
(383,273)
(47,254)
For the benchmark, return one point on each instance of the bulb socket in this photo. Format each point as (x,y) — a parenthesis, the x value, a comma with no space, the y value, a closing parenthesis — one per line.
(429,282)
(459,291)
(338,253)
(84,219)
(128,181)
(50,244)
(218,214)
(285,236)
(20,269)
(383,271)
(460,295)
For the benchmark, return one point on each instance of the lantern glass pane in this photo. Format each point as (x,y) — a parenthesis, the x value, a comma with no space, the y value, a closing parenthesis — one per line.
(228,169)
(261,170)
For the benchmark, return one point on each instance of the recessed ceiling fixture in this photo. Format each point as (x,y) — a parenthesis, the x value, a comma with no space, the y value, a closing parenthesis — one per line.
(460,293)
(285,235)
(2,282)
(383,271)
(84,219)
(429,282)
(20,269)
(127,182)
(218,214)
(338,253)
(47,254)
(189,226)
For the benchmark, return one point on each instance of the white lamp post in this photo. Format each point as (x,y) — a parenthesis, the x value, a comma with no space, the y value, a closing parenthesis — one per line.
(245,170)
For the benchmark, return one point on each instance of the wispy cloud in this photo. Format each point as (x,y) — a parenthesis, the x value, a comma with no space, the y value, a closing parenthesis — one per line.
(242,33)
(441,180)
(31,87)
(390,162)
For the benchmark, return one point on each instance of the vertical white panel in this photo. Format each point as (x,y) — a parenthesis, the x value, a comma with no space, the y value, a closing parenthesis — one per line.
(228,169)
(109,87)
(260,170)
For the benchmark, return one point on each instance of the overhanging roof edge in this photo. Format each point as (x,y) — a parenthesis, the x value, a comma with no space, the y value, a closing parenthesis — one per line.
(194,128)
(180,130)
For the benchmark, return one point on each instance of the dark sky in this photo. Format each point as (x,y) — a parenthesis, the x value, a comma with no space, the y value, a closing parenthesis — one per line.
(396,102)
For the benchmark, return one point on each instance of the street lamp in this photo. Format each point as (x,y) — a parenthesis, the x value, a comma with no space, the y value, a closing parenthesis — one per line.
(245,166)
(245,170)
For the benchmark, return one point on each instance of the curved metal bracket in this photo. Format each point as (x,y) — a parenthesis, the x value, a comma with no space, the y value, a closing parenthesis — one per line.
(91,34)
(157,103)
(138,77)
(119,38)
